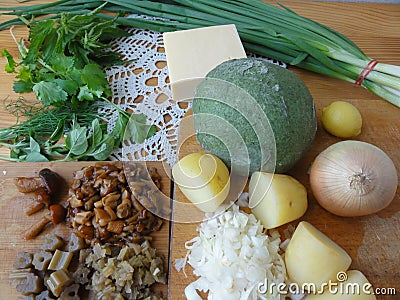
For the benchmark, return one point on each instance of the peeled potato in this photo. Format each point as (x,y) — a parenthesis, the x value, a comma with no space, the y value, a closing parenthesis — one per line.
(203,178)
(355,287)
(312,258)
(276,199)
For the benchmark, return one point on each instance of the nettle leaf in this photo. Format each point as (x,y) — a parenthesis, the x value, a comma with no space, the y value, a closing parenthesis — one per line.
(49,45)
(81,54)
(50,93)
(109,33)
(76,140)
(37,34)
(11,64)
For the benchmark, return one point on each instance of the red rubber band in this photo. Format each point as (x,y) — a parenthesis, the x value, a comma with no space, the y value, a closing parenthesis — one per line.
(365,71)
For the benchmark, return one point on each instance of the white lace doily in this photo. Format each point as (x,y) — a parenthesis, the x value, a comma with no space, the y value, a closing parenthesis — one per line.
(142,87)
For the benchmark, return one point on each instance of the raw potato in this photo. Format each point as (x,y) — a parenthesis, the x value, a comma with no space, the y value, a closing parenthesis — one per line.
(277,199)
(203,178)
(314,259)
(356,287)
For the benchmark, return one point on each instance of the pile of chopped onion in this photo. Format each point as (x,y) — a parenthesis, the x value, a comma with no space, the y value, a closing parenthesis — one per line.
(233,257)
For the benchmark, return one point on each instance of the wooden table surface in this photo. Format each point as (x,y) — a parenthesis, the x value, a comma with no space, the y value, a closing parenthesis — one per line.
(373,242)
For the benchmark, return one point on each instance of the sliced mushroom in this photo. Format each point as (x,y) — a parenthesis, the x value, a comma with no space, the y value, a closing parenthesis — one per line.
(56,215)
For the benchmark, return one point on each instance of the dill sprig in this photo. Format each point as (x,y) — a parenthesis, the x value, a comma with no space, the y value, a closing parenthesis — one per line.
(34,119)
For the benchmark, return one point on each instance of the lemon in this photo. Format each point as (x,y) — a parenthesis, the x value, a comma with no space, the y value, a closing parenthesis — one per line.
(342,119)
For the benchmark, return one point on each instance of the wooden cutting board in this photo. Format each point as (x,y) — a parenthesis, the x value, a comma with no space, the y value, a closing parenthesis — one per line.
(13,219)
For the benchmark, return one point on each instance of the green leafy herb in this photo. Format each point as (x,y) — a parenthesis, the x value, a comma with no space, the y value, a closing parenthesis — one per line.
(63,66)
(11,64)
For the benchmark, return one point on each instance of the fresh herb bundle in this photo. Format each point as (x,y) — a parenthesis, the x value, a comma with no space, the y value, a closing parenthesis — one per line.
(276,32)
(63,65)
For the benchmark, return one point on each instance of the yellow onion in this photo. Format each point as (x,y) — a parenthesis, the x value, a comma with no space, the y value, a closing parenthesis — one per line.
(353,178)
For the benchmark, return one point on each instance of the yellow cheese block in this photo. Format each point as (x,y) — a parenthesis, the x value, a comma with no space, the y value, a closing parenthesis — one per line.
(192,53)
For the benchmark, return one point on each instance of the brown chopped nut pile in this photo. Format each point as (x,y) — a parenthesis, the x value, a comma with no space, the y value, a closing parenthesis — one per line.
(103,208)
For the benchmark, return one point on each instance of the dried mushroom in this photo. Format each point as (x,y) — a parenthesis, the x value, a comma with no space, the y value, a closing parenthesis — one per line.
(47,180)
(103,209)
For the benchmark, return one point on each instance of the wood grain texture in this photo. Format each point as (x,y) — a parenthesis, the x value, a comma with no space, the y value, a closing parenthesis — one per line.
(13,220)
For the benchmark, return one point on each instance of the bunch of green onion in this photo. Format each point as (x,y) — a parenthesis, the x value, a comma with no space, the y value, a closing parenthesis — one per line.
(267,30)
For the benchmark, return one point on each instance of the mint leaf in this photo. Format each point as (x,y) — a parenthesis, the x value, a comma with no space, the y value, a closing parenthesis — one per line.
(58,132)
(119,129)
(105,149)
(97,134)
(35,157)
(11,64)
(34,154)
(33,145)
(50,93)
(152,131)
(137,129)
(76,140)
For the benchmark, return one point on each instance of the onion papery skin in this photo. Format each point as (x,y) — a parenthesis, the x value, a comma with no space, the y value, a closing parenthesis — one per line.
(353,178)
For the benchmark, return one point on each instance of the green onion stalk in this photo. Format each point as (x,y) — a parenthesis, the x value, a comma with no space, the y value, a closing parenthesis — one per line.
(272,31)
